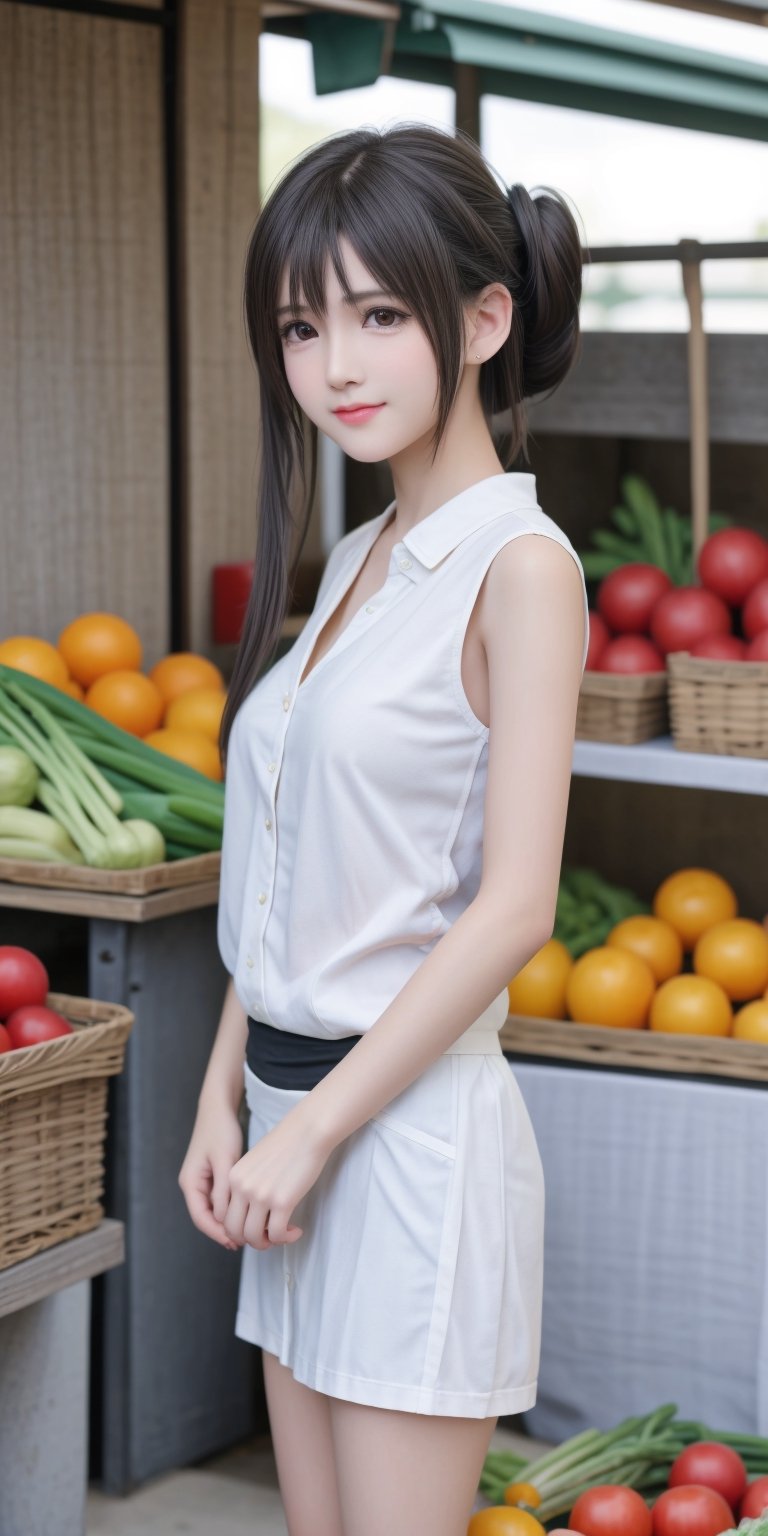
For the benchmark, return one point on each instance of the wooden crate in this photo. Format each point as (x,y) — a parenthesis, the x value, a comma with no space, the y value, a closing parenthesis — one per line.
(203,867)
(718,706)
(596,1045)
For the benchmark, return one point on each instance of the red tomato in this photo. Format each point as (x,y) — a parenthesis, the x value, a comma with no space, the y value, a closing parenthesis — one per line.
(611,1510)
(599,635)
(757,650)
(754,614)
(5,1040)
(23,978)
(685,615)
(731,562)
(630,653)
(691,1511)
(626,597)
(720,648)
(716,1466)
(755,1500)
(32,1025)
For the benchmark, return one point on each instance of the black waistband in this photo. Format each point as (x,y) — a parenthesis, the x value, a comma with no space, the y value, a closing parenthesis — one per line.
(284,1059)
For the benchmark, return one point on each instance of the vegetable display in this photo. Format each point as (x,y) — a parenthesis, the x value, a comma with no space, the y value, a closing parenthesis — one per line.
(589,1476)
(646,532)
(24,987)
(112,801)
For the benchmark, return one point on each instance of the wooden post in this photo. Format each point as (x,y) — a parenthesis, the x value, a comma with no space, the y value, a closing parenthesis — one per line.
(698,394)
(467,87)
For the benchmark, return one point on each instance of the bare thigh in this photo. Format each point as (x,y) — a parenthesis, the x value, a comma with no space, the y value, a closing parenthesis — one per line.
(411,1473)
(300,1422)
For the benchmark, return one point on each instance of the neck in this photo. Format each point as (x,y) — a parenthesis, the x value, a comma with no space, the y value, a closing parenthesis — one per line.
(465,456)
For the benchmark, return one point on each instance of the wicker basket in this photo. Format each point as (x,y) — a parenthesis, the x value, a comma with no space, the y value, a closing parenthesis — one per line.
(622,709)
(53,1111)
(718,706)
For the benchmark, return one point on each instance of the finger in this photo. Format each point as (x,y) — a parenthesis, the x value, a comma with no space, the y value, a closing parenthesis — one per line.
(255,1228)
(235,1216)
(220,1191)
(280,1229)
(205,1221)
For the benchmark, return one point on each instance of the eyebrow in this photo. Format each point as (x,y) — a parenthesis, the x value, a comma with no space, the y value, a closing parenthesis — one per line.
(354,298)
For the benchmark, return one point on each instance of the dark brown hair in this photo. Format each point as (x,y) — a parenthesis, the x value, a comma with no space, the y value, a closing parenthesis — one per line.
(423,211)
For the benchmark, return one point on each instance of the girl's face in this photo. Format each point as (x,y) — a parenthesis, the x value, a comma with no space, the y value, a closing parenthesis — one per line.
(372,352)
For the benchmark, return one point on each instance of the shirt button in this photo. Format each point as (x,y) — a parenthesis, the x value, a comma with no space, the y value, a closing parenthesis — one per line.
(289,1281)
(268,824)
(370,608)
(262,897)
(249,962)
(271,767)
(405,565)
(286,701)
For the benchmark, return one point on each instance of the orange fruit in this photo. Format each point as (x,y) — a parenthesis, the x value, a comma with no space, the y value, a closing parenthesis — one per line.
(735,953)
(653,939)
(692,900)
(188,747)
(36,657)
(96,643)
(691,1005)
(522,1493)
(539,988)
(610,985)
(128,699)
(184,670)
(74,690)
(751,1021)
(500,1520)
(199,709)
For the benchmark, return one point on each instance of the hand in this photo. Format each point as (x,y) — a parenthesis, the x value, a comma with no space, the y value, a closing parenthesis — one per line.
(268,1183)
(216,1144)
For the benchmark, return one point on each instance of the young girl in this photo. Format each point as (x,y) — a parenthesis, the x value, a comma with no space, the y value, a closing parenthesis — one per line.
(396,795)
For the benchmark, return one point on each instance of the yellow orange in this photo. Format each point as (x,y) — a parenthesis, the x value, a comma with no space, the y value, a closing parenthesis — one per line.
(692,900)
(188,747)
(501,1520)
(735,953)
(539,988)
(183,670)
(522,1493)
(96,643)
(751,1021)
(653,939)
(609,985)
(128,699)
(691,1005)
(200,709)
(38,658)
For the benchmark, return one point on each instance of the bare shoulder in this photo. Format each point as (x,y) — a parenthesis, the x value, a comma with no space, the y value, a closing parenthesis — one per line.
(532,573)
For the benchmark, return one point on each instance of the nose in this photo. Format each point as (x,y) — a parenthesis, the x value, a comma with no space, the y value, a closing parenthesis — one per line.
(343,364)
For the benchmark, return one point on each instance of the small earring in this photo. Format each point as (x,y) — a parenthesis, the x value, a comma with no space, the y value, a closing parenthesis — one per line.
(477,357)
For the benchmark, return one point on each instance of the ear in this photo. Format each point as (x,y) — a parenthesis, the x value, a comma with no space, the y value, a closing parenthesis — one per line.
(489,320)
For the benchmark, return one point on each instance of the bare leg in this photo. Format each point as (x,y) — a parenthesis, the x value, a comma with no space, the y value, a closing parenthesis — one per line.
(410,1473)
(300,1422)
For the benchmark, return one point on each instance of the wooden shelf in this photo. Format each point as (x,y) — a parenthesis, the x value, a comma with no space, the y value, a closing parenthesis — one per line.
(659,762)
(80,1258)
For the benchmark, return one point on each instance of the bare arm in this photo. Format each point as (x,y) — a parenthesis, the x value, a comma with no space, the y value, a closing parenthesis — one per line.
(223,1079)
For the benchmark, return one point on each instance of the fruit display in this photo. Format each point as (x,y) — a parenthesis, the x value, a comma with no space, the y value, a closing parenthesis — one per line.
(689,965)
(24,1018)
(653,1475)
(650,601)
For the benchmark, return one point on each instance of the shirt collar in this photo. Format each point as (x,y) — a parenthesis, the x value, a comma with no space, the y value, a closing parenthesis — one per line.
(437,534)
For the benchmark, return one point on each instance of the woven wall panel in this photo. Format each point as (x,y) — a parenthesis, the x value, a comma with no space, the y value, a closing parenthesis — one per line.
(219,136)
(83,364)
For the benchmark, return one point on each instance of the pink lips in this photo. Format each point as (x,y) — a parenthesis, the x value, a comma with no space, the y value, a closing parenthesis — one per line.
(358,413)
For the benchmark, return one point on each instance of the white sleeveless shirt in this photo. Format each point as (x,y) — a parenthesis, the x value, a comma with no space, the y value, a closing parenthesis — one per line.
(353,815)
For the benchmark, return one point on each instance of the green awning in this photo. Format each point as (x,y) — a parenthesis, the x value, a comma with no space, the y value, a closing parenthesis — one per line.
(535,57)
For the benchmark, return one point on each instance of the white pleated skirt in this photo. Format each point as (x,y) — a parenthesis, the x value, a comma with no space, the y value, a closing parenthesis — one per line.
(417,1282)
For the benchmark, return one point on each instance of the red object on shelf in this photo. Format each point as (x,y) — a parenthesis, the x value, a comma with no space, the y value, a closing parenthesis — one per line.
(231,590)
